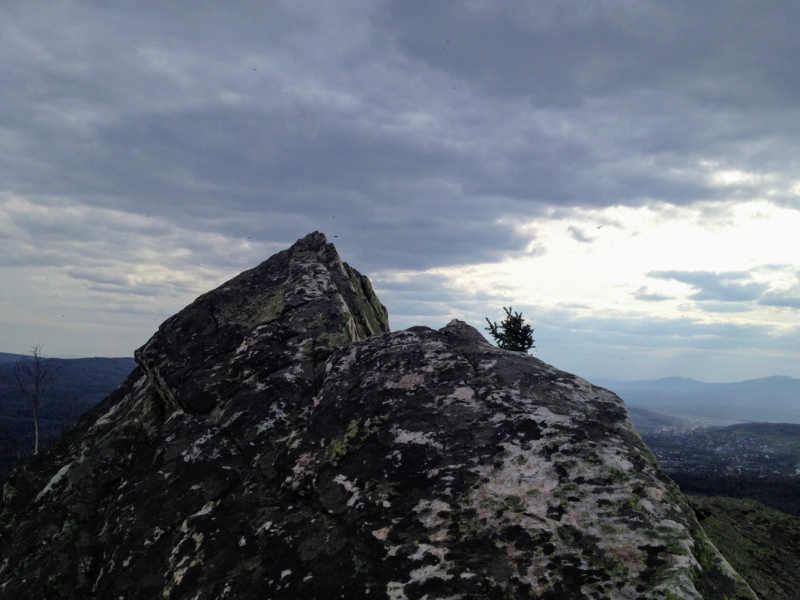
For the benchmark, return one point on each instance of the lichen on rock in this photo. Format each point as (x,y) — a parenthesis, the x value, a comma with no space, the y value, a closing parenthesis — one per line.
(278,441)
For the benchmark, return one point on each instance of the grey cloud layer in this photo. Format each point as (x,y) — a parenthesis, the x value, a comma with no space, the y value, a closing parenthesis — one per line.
(715,290)
(731,286)
(644,294)
(149,150)
(409,121)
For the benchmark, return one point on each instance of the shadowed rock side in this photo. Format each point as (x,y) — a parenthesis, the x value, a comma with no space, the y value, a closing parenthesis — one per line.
(276,448)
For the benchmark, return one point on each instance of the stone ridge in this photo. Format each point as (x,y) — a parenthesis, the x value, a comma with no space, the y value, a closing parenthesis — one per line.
(273,447)
(304,296)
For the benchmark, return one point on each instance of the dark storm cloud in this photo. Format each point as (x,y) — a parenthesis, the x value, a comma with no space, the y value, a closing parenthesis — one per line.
(425,128)
(560,53)
(668,83)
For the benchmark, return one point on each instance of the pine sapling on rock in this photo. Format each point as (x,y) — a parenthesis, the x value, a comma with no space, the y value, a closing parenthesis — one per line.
(513,333)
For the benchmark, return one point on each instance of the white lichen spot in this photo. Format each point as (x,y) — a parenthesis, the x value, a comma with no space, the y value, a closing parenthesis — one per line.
(197,448)
(106,418)
(285,574)
(277,415)
(396,591)
(382,533)
(235,416)
(464,395)
(542,413)
(140,382)
(654,494)
(198,540)
(264,527)
(429,510)
(647,505)
(53,481)
(342,480)
(424,549)
(207,508)
(406,382)
(612,458)
(429,571)
(157,533)
(402,436)
(349,486)
(301,466)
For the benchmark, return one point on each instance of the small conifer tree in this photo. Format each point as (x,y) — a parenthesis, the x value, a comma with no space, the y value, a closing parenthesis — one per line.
(513,333)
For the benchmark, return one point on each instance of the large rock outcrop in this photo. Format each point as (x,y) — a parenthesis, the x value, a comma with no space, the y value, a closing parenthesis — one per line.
(277,441)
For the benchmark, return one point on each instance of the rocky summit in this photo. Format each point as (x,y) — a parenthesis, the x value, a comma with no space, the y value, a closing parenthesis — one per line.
(278,441)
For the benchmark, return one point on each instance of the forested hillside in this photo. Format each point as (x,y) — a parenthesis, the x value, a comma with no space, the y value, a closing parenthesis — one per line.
(82,383)
(761,543)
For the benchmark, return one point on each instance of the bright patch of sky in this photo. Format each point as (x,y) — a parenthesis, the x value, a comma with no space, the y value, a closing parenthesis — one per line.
(722,272)
(620,259)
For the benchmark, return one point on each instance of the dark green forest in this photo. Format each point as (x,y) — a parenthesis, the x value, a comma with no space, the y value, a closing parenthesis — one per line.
(782,494)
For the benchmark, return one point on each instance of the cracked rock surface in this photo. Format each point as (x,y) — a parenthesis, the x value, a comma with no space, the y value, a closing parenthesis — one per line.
(277,441)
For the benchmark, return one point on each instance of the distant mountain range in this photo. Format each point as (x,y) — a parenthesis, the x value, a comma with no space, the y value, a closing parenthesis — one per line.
(769,399)
(5,357)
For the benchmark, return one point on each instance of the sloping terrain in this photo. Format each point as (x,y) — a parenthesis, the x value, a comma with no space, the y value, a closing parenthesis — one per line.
(646,420)
(761,543)
(277,441)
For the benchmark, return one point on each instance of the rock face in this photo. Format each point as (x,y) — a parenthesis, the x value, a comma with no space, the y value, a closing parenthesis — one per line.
(276,441)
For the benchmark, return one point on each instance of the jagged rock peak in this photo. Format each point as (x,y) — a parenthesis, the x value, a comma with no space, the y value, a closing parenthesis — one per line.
(270,445)
(301,304)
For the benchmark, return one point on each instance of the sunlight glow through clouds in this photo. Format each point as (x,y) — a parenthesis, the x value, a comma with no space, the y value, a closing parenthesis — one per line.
(602,259)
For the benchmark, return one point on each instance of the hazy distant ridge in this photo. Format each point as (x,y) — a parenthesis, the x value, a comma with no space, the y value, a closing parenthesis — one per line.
(773,399)
(5,357)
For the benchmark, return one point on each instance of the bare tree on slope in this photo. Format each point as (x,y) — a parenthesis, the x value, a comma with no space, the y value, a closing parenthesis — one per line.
(30,380)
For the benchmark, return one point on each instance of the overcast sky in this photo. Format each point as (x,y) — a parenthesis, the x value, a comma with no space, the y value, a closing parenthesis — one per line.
(623,173)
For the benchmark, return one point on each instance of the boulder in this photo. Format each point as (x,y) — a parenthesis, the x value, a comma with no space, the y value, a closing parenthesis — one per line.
(278,441)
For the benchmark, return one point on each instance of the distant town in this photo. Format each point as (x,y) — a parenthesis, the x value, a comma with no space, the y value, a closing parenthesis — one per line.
(753,449)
